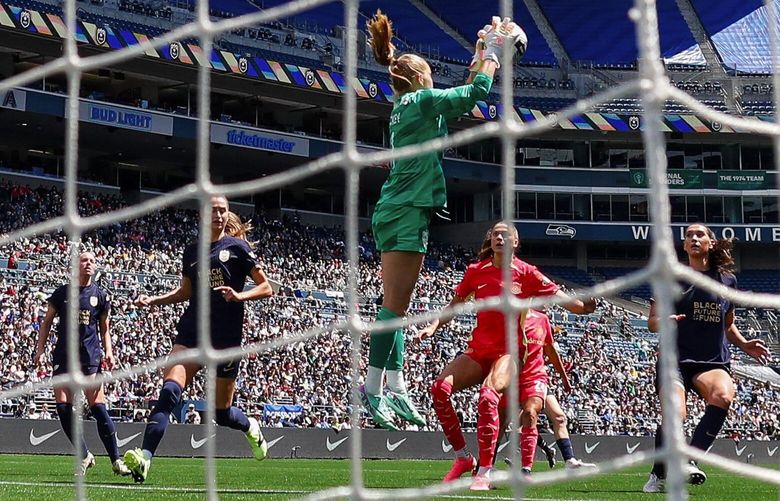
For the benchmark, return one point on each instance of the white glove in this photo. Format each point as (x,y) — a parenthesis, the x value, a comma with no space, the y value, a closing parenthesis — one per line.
(493,37)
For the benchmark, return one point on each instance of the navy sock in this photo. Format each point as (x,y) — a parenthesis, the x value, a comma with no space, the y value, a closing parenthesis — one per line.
(65,413)
(158,419)
(564,444)
(659,468)
(233,418)
(709,427)
(106,430)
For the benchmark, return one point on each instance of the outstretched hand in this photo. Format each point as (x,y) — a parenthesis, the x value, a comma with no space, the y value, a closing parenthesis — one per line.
(758,350)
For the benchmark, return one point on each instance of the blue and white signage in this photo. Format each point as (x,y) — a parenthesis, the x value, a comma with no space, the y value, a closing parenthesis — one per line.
(126,118)
(13,99)
(257,139)
(641,232)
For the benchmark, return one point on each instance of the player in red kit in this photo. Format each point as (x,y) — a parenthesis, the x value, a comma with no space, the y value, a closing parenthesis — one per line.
(486,360)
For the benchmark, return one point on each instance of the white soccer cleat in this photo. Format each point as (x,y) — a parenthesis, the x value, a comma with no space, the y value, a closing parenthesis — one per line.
(138,464)
(256,440)
(86,463)
(120,468)
(654,484)
(574,463)
(695,475)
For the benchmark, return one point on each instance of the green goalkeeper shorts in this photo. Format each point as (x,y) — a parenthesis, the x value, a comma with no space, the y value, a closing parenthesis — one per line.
(401,228)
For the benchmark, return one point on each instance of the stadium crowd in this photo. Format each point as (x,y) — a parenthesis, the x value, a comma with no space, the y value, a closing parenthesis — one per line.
(611,366)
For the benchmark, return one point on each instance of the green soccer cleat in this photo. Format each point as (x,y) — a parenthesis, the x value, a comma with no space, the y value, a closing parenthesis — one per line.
(256,440)
(138,464)
(376,406)
(402,405)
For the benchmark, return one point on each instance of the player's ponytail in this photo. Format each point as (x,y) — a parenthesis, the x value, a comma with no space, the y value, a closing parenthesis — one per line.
(403,70)
(236,228)
(720,256)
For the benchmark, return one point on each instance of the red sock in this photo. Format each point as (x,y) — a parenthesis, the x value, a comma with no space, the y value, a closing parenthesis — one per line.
(442,391)
(528,438)
(487,425)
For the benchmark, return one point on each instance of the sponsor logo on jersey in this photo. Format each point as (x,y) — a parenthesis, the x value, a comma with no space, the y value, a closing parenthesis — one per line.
(224,255)
(394,446)
(93,301)
(36,441)
(121,442)
(332,445)
(591,448)
(197,444)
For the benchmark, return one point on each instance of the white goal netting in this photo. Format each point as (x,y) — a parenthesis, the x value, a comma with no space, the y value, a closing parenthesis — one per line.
(662,271)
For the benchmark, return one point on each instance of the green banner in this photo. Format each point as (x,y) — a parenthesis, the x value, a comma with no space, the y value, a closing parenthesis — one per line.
(675,178)
(742,180)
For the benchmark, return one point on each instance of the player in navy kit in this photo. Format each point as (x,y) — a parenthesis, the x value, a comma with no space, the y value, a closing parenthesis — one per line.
(705,326)
(95,351)
(231,261)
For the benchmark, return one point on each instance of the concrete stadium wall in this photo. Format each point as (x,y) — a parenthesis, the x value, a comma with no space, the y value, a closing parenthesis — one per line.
(46,437)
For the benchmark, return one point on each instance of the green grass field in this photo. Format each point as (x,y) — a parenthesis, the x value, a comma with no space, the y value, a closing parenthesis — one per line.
(41,478)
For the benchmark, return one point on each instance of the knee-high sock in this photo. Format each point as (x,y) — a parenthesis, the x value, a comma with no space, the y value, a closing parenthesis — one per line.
(106,430)
(659,468)
(383,344)
(567,451)
(529,435)
(709,427)
(158,419)
(233,418)
(65,413)
(395,361)
(487,425)
(441,391)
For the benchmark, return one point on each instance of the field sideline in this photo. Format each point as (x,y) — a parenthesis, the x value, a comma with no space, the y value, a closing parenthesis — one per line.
(44,478)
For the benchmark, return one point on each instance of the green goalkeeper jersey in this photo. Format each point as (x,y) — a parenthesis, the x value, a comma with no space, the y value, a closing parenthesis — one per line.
(418,117)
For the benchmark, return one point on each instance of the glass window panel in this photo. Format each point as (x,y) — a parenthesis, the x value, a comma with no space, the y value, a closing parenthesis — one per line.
(599,154)
(675,156)
(618,159)
(732,209)
(545,205)
(636,159)
(601,208)
(751,158)
(714,210)
(563,206)
(532,156)
(770,209)
(620,207)
(693,156)
(639,208)
(751,209)
(678,208)
(695,209)
(712,157)
(582,207)
(526,205)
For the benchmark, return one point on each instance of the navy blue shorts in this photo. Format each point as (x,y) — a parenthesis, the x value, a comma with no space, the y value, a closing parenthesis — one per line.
(226,370)
(687,371)
(87,370)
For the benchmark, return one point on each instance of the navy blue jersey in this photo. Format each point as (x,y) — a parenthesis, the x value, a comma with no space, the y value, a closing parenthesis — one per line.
(93,302)
(701,335)
(230,262)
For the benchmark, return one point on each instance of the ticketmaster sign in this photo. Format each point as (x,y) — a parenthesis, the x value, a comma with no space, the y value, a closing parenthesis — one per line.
(257,139)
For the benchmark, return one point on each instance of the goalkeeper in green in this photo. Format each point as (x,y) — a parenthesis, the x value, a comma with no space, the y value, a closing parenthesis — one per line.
(414,189)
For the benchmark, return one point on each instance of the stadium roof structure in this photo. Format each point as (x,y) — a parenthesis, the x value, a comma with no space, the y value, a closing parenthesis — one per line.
(596,32)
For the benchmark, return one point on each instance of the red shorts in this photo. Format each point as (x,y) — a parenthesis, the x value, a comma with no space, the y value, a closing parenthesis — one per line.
(485,360)
(533,388)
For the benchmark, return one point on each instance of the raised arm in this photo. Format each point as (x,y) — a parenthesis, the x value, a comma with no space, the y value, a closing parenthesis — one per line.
(577,306)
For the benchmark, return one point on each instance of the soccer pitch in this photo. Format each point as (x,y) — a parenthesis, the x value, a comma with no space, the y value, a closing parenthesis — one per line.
(50,478)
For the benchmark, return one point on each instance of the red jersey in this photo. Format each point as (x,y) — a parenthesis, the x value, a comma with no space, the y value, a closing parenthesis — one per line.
(483,280)
(537,333)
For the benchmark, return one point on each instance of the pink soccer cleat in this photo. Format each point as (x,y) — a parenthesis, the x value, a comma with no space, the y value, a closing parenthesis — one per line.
(481,483)
(460,466)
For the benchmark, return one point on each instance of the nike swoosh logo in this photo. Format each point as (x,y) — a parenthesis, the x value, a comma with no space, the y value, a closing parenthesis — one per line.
(631,450)
(121,442)
(771,452)
(35,441)
(445,446)
(332,445)
(501,447)
(392,447)
(738,450)
(590,448)
(197,444)
(481,286)
(273,442)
